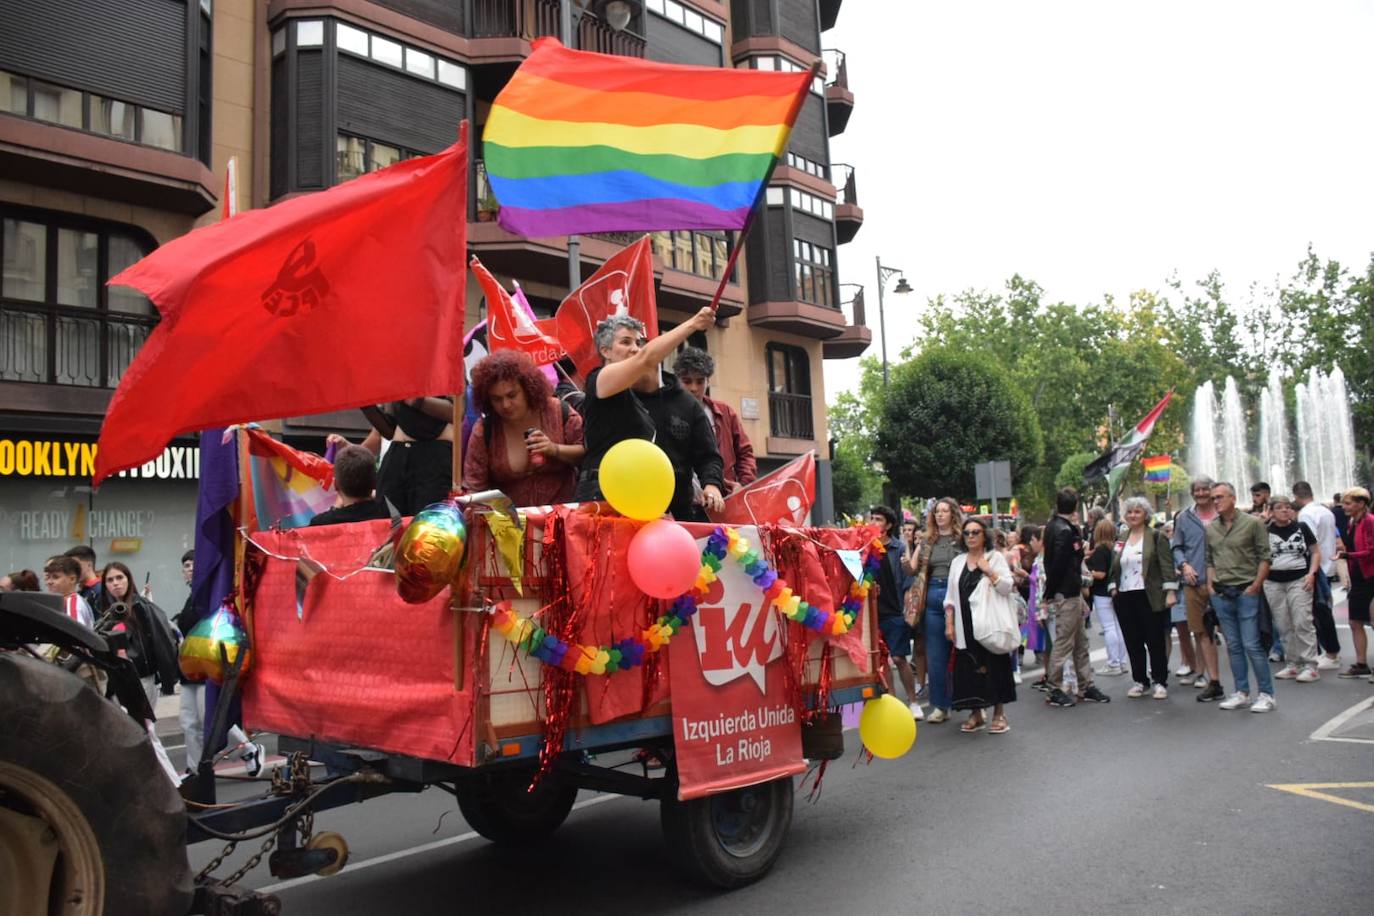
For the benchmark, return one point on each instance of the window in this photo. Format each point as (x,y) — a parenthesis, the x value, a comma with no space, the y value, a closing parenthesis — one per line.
(95,113)
(815,274)
(57,105)
(350,39)
(695,252)
(112,117)
(14,93)
(789,392)
(689,19)
(309,33)
(423,64)
(420,63)
(386,51)
(59,321)
(358,155)
(160,128)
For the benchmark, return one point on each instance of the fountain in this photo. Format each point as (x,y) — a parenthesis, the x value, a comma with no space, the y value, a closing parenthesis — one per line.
(1202,435)
(1273,443)
(1234,454)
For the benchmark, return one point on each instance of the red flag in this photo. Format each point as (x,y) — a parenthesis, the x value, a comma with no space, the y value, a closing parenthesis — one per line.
(623,285)
(350,296)
(510,327)
(783,497)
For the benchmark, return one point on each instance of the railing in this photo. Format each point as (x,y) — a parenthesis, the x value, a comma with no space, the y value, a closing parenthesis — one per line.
(528,19)
(595,35)
(789,415)
(91,350)
(843,174)
(836,70)
(853,309)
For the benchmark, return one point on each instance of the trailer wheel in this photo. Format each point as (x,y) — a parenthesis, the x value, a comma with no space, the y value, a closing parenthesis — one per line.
(731,839)
(500,808)
(88,821)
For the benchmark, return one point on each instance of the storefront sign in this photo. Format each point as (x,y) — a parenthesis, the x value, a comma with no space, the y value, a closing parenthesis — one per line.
(732,722)
(76,524)
(24,457)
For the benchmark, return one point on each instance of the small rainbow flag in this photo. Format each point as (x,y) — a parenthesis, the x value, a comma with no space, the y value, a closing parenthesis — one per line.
(1156,468)
(583,142)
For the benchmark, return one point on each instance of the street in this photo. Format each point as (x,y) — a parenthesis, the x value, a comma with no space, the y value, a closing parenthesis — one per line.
(1139,806)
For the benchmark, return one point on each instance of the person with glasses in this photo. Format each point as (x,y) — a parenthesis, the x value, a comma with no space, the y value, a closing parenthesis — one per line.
(981,678)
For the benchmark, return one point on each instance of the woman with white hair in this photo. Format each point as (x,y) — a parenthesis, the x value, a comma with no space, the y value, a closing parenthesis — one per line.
(1144,584)
(611,413)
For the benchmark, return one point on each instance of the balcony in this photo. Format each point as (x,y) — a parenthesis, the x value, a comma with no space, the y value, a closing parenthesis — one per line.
(839,101)
(830,13)
(501,30)
(805,319)
(856,337)
(849,216)
(790,417)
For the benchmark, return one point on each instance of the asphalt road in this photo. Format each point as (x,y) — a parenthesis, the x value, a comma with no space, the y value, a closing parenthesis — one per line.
(1139,806)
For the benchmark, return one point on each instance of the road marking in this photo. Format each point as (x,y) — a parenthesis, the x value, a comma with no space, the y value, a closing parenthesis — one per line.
(352,867)
(1308,790)
(1325,732)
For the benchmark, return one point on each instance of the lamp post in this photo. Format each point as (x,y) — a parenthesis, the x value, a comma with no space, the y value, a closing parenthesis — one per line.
(617,14)
(903,287)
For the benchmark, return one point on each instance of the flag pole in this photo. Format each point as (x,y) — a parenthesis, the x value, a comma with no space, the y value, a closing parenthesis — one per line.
(756,206)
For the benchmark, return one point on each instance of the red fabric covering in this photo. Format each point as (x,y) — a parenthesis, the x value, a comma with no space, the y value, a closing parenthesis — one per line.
(361,666)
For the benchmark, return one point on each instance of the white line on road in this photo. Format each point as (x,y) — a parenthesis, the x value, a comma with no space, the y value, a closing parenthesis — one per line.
(1324,733)
(352,867)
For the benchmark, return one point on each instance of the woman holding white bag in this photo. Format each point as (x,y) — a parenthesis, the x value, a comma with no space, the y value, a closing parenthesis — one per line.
(980,586)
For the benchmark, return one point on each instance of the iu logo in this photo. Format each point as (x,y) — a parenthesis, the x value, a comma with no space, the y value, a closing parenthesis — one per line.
(300,285)
(736,635)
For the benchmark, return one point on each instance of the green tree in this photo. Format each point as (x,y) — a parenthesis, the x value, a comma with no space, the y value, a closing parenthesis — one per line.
(946,411)
(1071,475)
(855,484)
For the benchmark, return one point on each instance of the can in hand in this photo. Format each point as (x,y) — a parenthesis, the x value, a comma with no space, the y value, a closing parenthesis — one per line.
(536,458)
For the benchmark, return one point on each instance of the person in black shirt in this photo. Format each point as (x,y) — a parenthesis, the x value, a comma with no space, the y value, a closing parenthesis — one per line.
(355,479)
(1289,588)
(1063,593)
(417,469)
(611,412)
(686,433)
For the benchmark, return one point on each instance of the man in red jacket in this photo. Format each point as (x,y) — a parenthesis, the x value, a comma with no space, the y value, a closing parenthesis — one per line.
(694,368)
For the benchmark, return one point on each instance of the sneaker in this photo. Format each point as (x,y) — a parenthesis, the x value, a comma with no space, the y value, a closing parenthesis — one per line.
(1264,703)
(1059,698)
(1161,692)
(1043,684)
(1184,672)
(916,712)
(1355,671)
(1327,663)
(1201,681)
(253,758)
(1212,693)
(1307,675)
(1276,656)
(1016,677)
(1111,670)
(1236,700)
(1136,692)
(937,715)
(1093,695)
(920,691)
(1287,672)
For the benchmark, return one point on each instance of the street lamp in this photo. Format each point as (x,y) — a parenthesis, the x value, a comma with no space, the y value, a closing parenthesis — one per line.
(885,274)
(616,14)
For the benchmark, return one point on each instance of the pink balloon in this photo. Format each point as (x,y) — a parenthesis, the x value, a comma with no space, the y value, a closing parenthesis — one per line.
(664,559)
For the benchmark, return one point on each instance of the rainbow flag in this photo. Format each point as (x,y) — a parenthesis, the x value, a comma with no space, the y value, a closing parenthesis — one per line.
(1156,468)
(583,142)
(290,487)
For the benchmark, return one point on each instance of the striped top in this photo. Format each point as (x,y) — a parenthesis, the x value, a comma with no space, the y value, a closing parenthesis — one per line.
(583,142)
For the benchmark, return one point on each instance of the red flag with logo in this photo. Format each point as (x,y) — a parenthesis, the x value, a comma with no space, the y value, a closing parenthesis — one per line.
(350,296)
(510,327)
(624,285)
(782,497)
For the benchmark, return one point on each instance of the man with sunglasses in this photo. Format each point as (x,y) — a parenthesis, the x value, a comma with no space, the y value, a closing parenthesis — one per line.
(1063,593)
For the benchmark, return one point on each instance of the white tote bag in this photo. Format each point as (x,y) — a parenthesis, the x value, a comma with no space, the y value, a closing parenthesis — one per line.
(994,619)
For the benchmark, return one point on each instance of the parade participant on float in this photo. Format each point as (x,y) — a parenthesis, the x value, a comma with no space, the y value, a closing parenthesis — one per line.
(1144,586)
(694,368)
(417,469)
(355,480)
(611,410)
(150,646)
(527,442)
(683,430)
(981,678)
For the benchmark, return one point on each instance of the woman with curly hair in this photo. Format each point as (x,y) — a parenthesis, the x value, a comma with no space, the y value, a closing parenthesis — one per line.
(527,443)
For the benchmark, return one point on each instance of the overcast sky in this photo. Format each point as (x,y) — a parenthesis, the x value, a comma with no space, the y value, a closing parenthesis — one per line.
(1099,147)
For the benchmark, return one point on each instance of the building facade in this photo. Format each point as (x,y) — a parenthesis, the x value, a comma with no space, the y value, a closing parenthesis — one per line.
(118,119)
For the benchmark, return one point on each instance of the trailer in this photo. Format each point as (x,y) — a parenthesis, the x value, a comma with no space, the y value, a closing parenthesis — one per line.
(371,695)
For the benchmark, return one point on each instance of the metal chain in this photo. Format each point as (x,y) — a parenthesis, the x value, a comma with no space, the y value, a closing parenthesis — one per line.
(252,862)
(217,861)
(297,781)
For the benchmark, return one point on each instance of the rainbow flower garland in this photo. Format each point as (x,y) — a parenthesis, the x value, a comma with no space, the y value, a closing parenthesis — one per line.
(724,542)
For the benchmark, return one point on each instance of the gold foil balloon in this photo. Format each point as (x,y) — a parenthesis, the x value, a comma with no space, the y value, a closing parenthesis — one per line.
(200,656)
(430,552)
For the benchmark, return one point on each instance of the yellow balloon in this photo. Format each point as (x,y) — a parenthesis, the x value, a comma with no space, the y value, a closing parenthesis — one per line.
(887,727)
(637,479)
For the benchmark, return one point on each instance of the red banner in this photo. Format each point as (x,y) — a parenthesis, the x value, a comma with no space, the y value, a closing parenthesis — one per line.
(510,327)
(782,497)
(624,285)
(733,724)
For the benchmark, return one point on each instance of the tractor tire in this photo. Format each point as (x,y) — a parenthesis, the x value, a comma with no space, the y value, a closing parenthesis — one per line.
(499,808)
(82,797)
(730,839)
